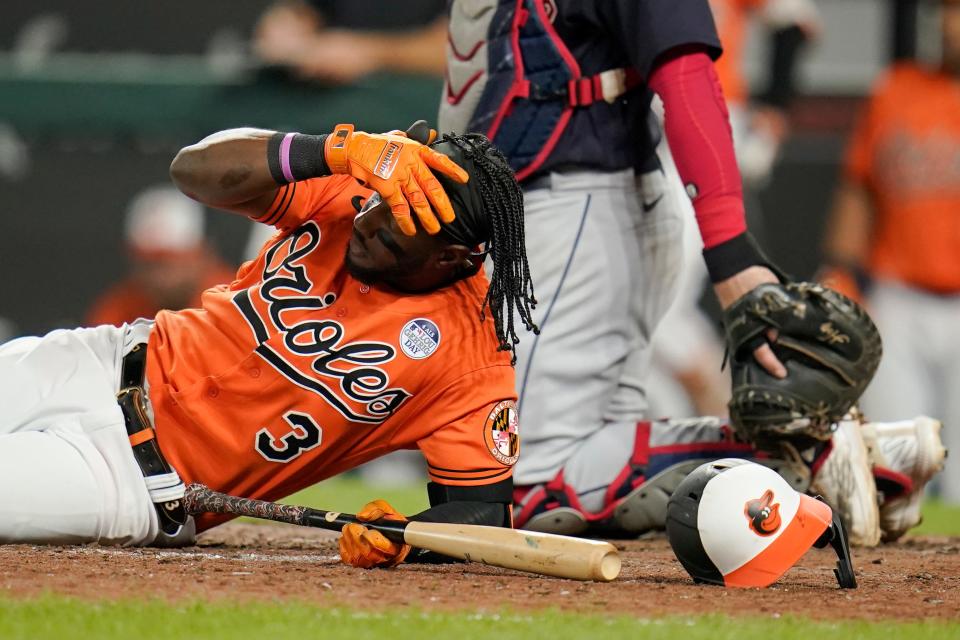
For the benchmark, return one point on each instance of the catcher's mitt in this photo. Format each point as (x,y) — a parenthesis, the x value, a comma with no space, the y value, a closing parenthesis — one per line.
(827,342)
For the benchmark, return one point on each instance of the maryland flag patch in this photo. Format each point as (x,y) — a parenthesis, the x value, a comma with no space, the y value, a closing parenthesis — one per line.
(501,432)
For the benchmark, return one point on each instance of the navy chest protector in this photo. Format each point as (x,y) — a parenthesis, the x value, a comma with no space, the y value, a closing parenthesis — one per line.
(534,84)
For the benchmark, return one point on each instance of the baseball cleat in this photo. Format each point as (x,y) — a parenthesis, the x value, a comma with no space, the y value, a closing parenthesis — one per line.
(845,480)
(564,521)
(548,508)
(912,450)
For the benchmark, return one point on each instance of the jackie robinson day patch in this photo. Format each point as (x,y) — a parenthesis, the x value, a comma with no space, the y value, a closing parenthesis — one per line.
(501,432)
(419,338)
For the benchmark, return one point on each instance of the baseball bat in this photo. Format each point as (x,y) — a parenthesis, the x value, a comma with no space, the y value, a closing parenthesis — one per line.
(534,552)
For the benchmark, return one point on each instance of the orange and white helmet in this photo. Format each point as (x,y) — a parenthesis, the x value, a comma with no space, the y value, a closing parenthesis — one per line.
(739,524)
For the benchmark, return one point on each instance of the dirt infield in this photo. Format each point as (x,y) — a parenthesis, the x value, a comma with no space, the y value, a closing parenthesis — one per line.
(919,578)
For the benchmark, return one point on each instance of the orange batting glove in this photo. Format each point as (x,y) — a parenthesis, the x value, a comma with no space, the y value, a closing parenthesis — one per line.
(398,168)
(366,548)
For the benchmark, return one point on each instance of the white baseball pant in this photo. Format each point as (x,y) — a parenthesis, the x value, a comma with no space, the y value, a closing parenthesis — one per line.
(67,468)
(605,253)
(919,373)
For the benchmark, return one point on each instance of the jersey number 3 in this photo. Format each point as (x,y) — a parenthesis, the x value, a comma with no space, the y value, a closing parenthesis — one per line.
(306,435)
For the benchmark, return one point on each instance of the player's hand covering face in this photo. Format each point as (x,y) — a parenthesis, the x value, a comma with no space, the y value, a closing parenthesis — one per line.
(399,168)
(365,548)
(379,251)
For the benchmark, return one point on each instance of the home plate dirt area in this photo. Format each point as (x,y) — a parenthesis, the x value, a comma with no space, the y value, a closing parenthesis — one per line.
(918,578)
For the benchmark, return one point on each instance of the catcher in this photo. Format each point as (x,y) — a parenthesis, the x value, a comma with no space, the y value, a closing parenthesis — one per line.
(803,424)
(350,335)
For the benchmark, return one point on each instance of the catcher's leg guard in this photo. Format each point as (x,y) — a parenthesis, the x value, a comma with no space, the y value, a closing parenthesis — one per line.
(645,508)
(664,452)
(620,479)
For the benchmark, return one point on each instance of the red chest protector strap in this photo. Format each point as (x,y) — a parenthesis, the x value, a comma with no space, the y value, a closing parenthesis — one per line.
(533,85)
(582,92)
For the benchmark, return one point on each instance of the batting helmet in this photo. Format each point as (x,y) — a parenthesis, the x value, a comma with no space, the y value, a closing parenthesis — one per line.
(738,524)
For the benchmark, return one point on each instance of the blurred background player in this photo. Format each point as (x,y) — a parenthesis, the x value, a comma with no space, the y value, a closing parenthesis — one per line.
(342,41)
(893,238)
(170,261)
(760,120)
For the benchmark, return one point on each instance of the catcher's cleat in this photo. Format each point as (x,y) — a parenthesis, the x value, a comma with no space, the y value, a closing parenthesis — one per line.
(906,455)
(549,508)
(562,521)
(845,480)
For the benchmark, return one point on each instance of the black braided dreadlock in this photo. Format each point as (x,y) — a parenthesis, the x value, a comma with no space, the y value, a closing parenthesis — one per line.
(489,210)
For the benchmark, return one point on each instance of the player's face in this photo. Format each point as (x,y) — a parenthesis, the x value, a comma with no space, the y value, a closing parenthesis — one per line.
(379,252)
(951,36)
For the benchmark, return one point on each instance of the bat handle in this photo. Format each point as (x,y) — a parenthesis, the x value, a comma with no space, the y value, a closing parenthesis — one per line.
(202,499)
(393,530)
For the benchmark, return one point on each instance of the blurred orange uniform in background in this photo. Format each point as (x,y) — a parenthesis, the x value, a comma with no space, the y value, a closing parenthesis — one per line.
(894,238)
(732,18)
(126,301)
(906,152)
(171,263)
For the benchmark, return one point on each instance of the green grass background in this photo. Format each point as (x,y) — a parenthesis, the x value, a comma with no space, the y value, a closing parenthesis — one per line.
(61,618)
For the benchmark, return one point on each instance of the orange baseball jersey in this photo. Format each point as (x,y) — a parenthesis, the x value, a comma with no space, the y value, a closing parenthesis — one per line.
(296,371)
(731,19)
(906,151)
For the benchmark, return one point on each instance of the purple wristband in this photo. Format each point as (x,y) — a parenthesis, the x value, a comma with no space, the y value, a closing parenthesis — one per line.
(285,157)
(295,156)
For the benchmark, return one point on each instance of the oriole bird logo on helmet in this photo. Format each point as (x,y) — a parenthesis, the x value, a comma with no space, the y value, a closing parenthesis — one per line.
(763,514)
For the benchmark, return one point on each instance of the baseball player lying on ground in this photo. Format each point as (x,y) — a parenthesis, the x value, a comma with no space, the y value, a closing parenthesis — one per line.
(349,336)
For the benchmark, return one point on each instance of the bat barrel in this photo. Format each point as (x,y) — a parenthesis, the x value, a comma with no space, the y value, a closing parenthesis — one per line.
(542,553)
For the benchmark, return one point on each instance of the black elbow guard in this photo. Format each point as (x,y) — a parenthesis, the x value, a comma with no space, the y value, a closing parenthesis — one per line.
(488,505)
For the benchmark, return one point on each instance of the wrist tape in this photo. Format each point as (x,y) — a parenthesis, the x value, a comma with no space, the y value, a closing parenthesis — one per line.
(296,156)
(736,254)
